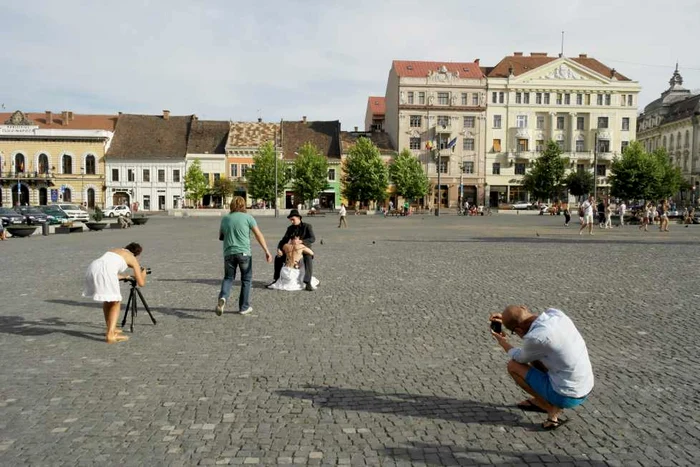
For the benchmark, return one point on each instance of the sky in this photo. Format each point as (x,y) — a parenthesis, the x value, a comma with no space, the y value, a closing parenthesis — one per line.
(240,60)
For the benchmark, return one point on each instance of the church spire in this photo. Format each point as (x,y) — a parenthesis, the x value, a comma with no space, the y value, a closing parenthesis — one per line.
(676,79)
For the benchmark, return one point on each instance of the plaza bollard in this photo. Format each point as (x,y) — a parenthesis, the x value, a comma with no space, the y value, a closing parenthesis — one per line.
(45,229)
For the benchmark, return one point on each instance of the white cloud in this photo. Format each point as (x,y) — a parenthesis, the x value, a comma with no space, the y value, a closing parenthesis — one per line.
(224,59)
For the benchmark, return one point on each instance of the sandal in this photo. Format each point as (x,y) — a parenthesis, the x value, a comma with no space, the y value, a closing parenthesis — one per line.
(528,406)
(550,425)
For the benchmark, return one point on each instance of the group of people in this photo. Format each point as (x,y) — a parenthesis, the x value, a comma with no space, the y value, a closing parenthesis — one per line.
(649,214)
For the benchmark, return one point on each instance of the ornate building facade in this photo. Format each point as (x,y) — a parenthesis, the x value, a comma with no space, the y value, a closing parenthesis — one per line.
(441,104)
(673,122)
(47,158)
(577,102)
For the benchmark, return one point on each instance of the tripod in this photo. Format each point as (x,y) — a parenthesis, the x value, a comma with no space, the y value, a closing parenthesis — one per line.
(131,304)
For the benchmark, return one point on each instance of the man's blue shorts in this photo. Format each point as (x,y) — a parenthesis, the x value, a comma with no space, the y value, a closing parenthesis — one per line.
(539,382)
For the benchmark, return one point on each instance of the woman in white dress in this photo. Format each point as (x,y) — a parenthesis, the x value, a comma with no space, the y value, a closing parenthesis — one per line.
(292,273)
(102,284)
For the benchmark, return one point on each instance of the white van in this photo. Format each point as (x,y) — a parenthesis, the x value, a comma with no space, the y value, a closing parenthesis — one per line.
(74,212)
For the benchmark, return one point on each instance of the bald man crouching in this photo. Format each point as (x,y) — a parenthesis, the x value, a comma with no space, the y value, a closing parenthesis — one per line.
(552,364)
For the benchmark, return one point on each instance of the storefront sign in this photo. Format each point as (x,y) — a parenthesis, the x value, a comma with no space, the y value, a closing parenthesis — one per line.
(18,129)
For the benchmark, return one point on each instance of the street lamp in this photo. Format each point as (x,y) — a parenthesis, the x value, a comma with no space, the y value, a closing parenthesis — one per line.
(437,165)
(595,166)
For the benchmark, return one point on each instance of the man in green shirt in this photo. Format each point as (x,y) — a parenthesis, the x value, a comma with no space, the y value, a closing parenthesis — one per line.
(235,233)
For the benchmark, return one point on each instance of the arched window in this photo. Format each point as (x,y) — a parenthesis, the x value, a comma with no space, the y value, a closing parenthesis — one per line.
(67,198)
(19,163)
(90,165)
(43,164)
(91,198)
(67,162)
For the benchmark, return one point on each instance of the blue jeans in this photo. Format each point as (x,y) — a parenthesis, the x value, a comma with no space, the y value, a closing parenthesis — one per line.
(245,263)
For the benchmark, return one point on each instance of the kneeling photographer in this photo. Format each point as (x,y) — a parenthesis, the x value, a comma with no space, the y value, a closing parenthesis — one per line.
(102,284)
(552,364)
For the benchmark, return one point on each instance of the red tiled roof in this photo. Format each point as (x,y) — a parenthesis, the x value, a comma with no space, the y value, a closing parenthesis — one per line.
(522,64)
(377,104)
(78,122)
(417,69)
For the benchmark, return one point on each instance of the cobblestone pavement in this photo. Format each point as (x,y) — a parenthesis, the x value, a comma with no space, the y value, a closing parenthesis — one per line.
(388,363)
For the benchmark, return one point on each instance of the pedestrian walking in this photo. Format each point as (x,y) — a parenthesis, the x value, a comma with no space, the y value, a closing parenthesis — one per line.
(587,211)
(567,217)
(608,216)
(343,214)
(663,224)
(235,233)
(621,209)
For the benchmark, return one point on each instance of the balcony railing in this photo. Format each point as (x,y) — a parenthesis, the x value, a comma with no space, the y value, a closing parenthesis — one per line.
(27,175)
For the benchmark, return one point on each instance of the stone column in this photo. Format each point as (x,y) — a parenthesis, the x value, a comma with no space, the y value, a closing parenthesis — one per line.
(552,124)
(572,133)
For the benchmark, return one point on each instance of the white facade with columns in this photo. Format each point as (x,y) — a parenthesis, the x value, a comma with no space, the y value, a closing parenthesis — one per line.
(561,100)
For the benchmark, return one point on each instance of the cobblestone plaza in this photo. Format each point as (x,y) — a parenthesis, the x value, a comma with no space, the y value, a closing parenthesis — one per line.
(389,362)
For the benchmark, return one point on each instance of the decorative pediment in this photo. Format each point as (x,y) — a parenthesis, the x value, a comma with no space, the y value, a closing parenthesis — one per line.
(562,72)
(442,76)
(604,135)
(413,133)
(19,118)
(522,133)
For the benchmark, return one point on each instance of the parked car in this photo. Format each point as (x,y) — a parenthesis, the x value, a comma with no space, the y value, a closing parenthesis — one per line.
(113,211)
(32,215)
(74,212)
(522,205)
(55,214)
(10,217)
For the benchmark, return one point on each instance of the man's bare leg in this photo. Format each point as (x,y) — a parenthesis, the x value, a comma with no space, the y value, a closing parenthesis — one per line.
(518,371)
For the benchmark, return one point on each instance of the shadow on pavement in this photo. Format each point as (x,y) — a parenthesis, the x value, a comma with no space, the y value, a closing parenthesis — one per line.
(409,405)
(22,327)
(179,313)
(440,454)
(216,282)
(585,239)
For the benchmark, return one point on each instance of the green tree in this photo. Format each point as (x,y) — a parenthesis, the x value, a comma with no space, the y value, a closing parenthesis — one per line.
(579,183)
(635,175)
(261,177)
(545,178)
(196,184)
(669,178)
(365,175)
(310,173)
(407,174)
(223,187)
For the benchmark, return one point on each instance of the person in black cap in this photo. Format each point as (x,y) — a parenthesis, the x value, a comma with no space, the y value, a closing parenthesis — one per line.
(306,233)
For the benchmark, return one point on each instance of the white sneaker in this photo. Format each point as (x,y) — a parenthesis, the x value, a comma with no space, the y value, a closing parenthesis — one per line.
(220,306)
(246,311)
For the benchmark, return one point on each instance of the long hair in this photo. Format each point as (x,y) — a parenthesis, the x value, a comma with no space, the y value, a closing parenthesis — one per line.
(134,248)
(238,204)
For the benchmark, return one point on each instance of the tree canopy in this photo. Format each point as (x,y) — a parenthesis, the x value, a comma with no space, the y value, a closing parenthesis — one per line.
(223,187)
(641,175)
(261,177)
(365,175)
(579,183)
(310,173)
(408,176)
(196,184)
(546,176)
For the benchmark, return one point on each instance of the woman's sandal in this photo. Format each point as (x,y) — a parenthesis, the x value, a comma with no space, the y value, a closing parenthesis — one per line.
(117,338)
(549,424)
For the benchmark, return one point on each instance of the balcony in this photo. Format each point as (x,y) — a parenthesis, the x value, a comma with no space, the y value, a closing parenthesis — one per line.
(26,175)
(606,156)
(528,155)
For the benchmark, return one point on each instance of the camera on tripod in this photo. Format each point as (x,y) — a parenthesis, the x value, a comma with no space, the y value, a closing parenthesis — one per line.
(132,280)
(131,304)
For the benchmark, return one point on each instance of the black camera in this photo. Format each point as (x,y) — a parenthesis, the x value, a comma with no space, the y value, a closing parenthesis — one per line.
(496,327)
(146,270)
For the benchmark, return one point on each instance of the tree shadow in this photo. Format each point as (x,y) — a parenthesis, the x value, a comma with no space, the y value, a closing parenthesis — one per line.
(543,240)
(409,405)
(18,325)
(441,454)
(178,313)
(216,282)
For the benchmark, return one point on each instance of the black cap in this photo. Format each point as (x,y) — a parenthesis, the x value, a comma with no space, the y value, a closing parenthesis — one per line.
(294,213)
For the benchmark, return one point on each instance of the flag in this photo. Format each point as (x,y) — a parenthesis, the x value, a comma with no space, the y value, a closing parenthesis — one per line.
(452,143)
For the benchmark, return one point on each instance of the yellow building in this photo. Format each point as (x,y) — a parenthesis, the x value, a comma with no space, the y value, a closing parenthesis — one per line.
(47,158)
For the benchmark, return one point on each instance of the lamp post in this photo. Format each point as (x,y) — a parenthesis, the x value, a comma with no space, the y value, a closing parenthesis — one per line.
(277,211)
(595,166)
(437,165)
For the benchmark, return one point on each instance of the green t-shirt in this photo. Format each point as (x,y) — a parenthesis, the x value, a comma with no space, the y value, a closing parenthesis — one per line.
(235,228)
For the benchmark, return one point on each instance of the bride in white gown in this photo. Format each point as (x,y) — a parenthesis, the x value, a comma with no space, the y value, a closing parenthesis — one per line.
(292,273)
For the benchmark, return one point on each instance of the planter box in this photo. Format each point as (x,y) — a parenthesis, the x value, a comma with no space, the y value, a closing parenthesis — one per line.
(96,226)
(139,220)
(21,230)
(68,230)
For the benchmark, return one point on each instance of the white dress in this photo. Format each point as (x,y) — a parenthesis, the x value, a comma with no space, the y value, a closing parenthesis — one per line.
(292,279)
(102,278)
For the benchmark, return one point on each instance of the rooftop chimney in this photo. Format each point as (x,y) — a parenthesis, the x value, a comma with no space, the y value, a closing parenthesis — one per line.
(582,55)
(259,120)
(303,119)
(355,129)
(49,117)
(538,54)
(476,60)
(517,54)
(70,116)
(64,117)
(119,113)
(166,115)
